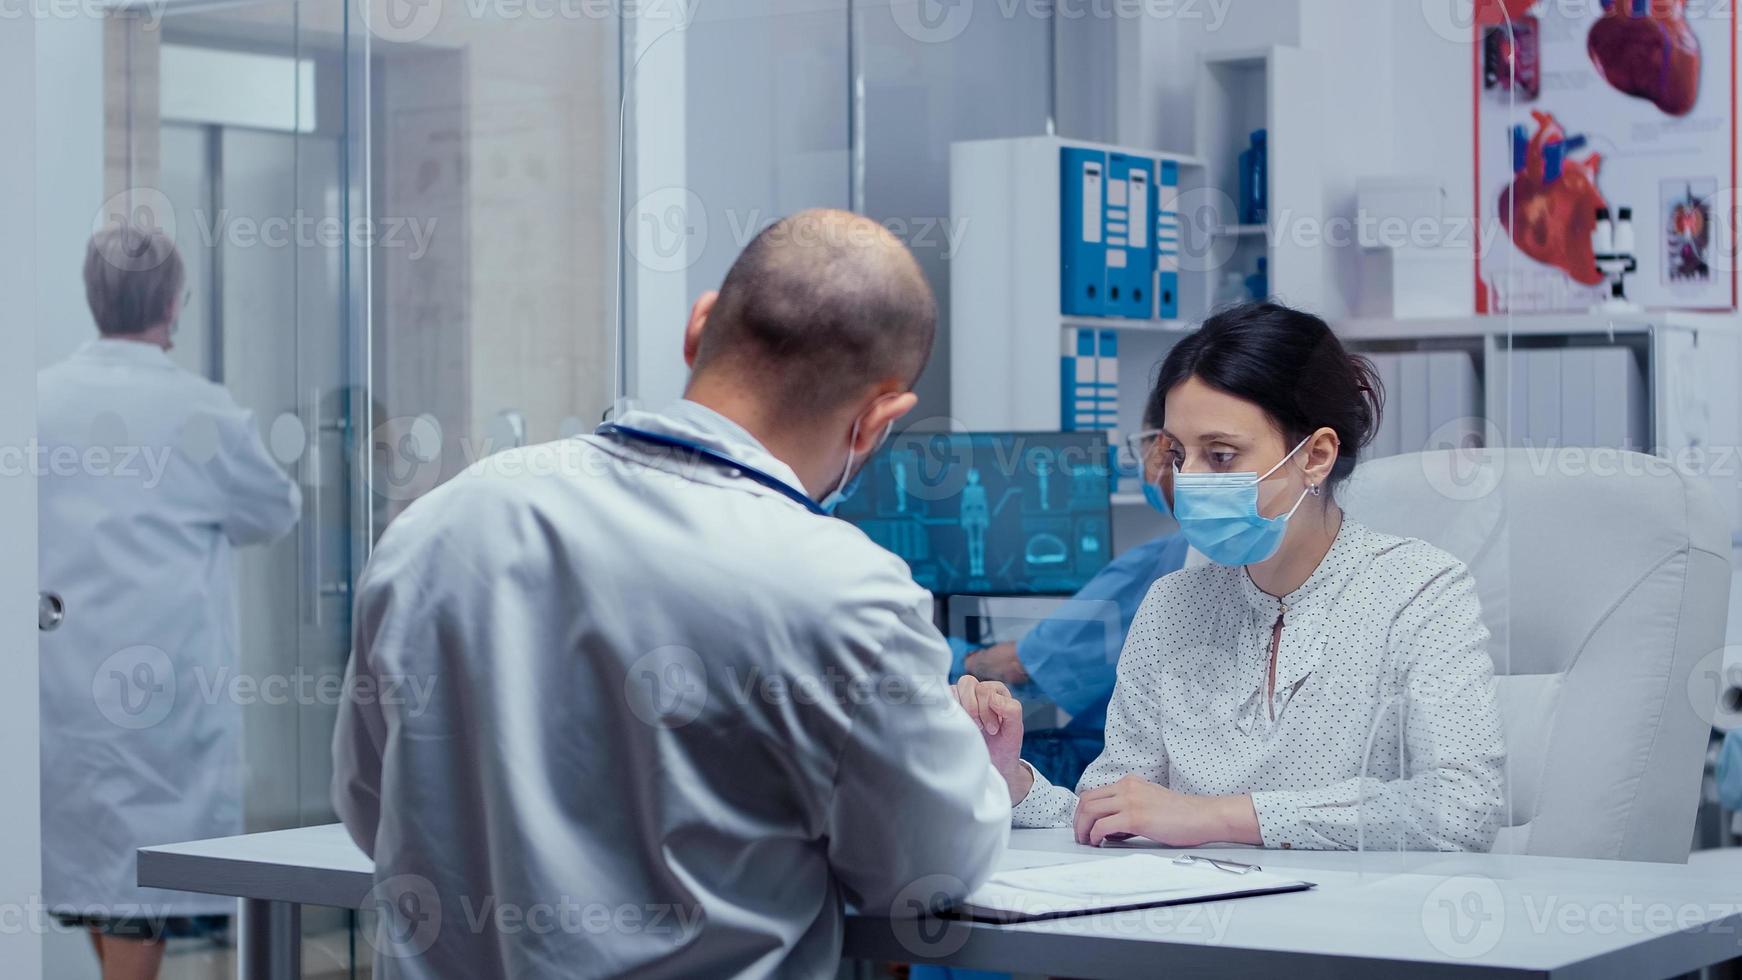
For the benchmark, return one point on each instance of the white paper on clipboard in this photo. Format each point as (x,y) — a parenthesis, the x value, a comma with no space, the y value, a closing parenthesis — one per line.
(1112,884)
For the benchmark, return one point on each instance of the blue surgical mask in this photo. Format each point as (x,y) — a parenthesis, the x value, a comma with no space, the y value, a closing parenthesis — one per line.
(849,482)
(1218,514)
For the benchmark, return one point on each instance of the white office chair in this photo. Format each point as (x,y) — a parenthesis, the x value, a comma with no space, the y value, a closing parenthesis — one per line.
(1605,580)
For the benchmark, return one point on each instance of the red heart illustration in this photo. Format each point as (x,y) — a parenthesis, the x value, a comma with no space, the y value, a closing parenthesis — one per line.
(1645,48)
(1688,221)
(1550,209)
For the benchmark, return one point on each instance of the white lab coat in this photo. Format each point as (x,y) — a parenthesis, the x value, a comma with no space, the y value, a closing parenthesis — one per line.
(149,477)
(643,750)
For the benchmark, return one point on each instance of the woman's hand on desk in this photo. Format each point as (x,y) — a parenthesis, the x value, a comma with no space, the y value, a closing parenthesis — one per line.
(999,718)
(1136,807)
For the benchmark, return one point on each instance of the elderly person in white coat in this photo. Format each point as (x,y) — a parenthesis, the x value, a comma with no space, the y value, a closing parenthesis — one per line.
(1319,684)
(150,478)
(681,716)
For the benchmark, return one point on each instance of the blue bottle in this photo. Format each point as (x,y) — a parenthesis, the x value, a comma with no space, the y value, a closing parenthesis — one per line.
(1258,283)
(1255,179)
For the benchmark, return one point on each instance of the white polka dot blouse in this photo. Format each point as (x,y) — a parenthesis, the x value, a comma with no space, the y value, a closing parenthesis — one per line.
(1382,731)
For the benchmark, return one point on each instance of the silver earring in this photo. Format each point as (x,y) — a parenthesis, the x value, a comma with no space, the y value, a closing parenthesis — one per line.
(1315,489)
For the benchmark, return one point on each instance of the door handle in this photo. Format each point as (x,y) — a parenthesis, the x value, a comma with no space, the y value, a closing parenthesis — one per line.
(314,551)
(51,611)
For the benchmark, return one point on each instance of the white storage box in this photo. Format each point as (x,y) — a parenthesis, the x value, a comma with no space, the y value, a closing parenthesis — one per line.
(1394,212)
(1417,282)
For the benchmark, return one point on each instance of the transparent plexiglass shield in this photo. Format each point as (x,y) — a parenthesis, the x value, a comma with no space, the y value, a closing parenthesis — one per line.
(1439,707)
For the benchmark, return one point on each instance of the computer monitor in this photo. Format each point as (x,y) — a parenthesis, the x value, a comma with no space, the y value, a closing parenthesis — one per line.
(991,513)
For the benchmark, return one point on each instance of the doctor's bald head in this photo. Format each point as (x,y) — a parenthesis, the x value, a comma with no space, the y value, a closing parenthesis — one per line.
(821,308)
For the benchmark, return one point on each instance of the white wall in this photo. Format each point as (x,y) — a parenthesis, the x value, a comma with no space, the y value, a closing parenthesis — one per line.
(1432,123)
(1395,93)
(1358,112)
(656,298)
(745,116)
(790,115)
(20,819)
(1172,46)
(988,81)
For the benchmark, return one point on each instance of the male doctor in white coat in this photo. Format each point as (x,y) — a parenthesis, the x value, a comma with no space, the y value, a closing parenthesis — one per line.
(680,715)
(150,477)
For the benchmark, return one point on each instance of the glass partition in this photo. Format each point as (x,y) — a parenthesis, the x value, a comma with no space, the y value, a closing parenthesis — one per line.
(492,140)
(927,76)
(230,128)
(399,243)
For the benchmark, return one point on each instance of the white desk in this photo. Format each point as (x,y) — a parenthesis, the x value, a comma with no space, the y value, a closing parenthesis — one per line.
(1424,915)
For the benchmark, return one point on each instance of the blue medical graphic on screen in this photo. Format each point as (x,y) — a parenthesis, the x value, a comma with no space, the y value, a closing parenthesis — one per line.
(1006,513)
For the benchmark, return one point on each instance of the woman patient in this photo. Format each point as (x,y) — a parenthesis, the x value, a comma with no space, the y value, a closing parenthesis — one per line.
(1319,685)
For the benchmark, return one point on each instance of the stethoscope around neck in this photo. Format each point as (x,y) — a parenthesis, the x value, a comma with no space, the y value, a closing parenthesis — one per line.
(772,482)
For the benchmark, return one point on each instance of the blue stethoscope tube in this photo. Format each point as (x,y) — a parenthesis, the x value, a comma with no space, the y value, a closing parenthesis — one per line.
(716,457)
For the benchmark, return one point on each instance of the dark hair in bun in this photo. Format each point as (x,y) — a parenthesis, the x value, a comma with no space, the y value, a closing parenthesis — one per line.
(1289,364)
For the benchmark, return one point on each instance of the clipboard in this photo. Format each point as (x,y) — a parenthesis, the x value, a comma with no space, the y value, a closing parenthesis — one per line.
(1119,884)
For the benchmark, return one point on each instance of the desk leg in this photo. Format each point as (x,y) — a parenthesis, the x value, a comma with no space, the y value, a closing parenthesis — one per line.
(271,940)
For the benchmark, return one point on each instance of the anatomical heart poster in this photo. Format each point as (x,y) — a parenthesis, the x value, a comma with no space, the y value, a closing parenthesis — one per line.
(1624,107)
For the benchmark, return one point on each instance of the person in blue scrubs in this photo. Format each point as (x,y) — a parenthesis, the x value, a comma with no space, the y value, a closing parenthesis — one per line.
(1071,657)
(1729,771)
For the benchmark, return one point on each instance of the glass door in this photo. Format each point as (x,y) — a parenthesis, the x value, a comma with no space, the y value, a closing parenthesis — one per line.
(234,128)
(400,243)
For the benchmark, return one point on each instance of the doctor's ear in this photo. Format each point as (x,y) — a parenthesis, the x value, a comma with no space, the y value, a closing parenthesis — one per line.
(883,413)
(1319,456)
(692,331)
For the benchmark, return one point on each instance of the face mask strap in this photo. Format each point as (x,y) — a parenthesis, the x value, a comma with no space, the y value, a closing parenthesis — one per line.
(847,470)
(853,440)
(1283,460)
(1262,477)
(1312,490)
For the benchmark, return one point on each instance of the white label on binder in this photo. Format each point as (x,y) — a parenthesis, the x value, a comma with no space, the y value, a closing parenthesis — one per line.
(1167,201)
(1139,210)
(1115,258)
(1091,202)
